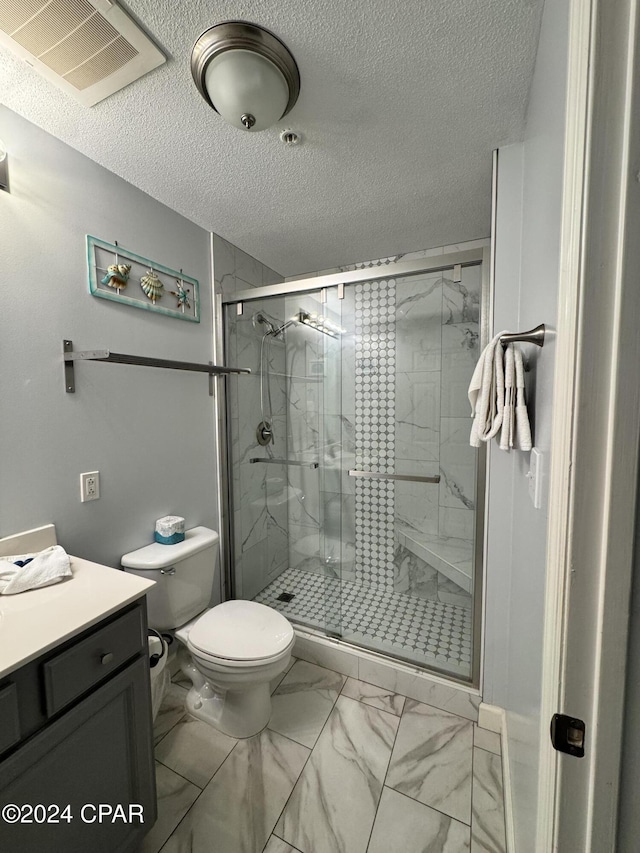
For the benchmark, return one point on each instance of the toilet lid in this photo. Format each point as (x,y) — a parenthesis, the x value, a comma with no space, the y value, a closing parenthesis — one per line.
(241,630)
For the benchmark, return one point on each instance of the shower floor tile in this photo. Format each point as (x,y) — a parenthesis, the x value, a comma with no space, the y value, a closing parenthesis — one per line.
(420,630)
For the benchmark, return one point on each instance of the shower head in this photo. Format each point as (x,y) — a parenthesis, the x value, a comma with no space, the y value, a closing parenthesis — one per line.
(261,319)
(320,324)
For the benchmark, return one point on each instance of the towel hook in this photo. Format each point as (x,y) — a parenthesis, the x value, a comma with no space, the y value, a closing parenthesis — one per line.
(533,336)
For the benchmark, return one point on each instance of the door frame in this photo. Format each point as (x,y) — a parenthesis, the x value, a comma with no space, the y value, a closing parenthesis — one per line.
(596,424)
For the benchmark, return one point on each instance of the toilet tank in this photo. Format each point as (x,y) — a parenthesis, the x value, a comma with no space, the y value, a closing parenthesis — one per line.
(184,574)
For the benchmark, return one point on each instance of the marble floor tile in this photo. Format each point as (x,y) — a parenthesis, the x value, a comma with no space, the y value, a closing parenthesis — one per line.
(303,701)
(432,760)
(408,683)
(377,697)
(175,798)
(277,845)
(487,828)
(276,681)
(484,739)
(237,810)
(171,710)
(194,749)
(403,824)
(334,802)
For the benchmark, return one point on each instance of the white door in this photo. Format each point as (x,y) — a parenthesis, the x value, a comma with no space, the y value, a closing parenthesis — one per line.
(596,428)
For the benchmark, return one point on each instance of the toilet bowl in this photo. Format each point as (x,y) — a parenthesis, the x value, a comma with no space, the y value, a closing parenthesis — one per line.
(230,652)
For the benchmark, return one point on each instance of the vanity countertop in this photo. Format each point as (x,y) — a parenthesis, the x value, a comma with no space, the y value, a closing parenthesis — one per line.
(33,622)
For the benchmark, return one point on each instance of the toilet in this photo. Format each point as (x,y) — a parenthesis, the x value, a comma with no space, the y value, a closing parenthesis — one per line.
(230,652)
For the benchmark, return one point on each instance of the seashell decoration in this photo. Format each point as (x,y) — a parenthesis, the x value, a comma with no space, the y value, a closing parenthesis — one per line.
(117,275)
(152,286)
(181,294)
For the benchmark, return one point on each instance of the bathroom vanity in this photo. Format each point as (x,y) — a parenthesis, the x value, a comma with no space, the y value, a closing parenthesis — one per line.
(76,745)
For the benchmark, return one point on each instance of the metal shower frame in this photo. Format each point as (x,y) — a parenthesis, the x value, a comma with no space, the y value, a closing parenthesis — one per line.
(455,261)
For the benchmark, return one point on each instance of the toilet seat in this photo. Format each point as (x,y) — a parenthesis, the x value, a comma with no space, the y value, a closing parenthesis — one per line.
(241,633)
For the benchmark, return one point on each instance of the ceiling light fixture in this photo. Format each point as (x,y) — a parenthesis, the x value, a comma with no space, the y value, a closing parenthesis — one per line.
(246,74)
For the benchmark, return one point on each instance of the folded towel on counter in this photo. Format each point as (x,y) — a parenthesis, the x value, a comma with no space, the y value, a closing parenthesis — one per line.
(486,393)
(31,571)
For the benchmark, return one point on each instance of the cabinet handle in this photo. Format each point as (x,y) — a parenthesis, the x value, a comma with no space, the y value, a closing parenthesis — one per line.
(170,571)
(106,658)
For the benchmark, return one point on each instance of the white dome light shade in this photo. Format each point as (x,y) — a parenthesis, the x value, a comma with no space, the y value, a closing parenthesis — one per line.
(246,74)
(242,84)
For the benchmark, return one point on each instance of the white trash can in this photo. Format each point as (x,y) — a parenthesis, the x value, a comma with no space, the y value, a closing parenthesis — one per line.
(158,672)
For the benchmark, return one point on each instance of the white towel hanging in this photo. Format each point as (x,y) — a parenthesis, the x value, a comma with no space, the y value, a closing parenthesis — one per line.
(523,428)
(486,393)
(508,420)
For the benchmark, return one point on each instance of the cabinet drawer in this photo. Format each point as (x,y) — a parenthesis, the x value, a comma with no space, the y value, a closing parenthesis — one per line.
(73,672)
(9,718)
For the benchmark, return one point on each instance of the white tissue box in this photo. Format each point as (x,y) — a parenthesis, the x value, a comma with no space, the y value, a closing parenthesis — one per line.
(169,530)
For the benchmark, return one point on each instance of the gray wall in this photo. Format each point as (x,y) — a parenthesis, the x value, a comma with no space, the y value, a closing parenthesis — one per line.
(148,432)
(526,292)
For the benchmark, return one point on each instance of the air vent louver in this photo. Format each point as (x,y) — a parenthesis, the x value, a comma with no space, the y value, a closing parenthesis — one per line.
(89,53)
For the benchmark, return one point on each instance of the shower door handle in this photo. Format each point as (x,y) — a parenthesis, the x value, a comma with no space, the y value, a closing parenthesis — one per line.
(411,478)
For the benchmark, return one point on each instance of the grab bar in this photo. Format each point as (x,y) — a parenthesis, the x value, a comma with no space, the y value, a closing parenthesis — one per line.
(380,475)
(269,460)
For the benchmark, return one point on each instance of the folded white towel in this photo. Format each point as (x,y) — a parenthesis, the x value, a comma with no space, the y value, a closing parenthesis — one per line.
(508,420)
(486,393)
(31,571)
(523,429)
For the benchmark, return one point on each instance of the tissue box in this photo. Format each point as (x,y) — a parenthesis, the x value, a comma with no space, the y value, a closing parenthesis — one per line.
(169,530)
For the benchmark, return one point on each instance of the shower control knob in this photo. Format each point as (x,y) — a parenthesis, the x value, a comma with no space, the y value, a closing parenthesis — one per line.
(264,433)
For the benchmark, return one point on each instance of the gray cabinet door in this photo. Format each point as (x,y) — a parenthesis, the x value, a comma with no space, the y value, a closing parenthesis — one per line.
(99,752)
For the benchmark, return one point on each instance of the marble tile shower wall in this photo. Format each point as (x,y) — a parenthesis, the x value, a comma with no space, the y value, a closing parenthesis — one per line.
(319,507)
(438,345)
(260,491)
(416,343)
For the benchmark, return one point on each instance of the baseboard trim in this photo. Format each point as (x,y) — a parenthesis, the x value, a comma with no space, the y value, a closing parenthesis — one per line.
(491,717)
(494,718)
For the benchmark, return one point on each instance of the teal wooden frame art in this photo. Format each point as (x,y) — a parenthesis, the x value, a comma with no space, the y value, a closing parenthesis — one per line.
(134,295)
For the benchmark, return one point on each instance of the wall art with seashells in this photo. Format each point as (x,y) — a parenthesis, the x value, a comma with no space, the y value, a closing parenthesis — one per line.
(123,276)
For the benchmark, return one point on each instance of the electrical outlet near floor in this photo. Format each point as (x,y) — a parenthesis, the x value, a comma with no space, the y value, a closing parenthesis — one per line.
(89,486)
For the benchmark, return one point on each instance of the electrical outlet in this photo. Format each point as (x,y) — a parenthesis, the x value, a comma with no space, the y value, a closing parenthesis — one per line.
(90,486)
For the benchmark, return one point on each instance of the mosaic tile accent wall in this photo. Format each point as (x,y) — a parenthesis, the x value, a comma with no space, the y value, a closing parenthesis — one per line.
(375,403)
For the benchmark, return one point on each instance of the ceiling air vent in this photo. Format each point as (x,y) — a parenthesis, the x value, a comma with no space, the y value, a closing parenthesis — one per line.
(89,50)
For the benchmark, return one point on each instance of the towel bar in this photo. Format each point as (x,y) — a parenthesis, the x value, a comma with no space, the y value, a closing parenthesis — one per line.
(533,336)
(270,460)
(143,361)
(410,478)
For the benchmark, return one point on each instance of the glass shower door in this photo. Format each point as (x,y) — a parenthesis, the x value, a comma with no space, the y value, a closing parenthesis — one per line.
(286,480)
(408,552)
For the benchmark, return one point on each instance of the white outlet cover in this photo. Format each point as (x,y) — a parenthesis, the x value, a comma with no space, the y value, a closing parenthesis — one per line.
(89,486)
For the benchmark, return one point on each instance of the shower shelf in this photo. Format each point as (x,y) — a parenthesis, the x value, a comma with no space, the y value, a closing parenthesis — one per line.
(142,361)
(268,460)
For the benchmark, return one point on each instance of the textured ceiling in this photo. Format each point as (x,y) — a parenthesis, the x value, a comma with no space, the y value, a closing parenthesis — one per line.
(401,105)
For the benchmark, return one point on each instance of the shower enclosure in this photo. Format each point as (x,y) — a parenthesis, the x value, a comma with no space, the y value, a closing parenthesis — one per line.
(356,502)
